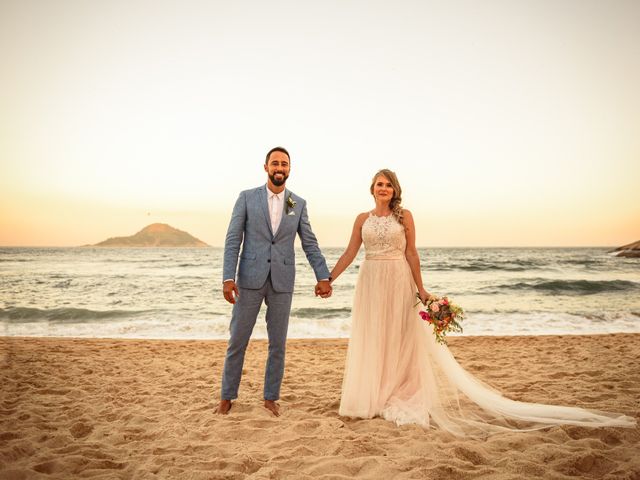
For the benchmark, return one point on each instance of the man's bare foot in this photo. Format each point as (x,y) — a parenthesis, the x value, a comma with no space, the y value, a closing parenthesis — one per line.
(273,407)
(223,407)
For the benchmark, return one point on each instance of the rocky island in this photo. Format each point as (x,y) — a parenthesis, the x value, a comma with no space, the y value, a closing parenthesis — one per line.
(154,235)
(631,250)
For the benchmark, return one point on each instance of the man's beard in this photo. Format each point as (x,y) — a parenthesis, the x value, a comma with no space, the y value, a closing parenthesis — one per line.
(276,182)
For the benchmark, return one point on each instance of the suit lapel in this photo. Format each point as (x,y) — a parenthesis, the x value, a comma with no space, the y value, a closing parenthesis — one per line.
(284,221)
(264,200)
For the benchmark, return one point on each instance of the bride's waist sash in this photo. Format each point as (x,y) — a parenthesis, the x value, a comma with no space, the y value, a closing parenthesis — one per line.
(386,256)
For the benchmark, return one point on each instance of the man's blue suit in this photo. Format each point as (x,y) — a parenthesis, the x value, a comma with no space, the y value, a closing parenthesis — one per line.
(266,271)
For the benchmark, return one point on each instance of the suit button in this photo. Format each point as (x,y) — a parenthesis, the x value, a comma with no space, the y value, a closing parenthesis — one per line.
(269,261)
(273,243)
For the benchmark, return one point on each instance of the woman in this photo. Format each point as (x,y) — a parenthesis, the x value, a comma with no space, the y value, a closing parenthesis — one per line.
(395,369)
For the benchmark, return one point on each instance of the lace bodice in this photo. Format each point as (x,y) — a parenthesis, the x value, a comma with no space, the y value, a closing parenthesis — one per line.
(383,237)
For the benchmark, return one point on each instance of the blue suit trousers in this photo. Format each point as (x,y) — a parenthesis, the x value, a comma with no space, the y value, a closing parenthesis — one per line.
(243,319)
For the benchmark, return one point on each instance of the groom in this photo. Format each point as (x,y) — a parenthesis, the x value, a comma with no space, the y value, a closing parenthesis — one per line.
(265,221)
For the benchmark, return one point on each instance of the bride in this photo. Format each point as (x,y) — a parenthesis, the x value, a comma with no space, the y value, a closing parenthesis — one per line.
(395,369)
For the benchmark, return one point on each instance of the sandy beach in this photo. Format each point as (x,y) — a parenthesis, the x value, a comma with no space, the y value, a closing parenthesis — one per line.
(128,409)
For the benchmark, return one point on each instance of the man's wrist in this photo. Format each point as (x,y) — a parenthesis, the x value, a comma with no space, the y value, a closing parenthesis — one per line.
(228,280)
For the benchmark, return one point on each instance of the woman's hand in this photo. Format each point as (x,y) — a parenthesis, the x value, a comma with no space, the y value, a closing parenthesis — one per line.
(424,295)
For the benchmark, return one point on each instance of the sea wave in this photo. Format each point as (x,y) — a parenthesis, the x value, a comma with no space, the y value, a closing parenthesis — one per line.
(133,260)
(529,323)
(550,323)
(63,315)
(590,316)
(313,312)
(481,266)
(571,287)
(585,262)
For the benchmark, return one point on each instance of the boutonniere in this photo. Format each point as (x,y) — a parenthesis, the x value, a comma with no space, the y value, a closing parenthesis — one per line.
(290,205)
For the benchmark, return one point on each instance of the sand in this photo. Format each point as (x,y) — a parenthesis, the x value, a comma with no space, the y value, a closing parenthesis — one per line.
(94,408)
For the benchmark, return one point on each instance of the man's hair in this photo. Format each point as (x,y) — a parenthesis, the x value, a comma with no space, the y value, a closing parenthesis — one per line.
(276,149)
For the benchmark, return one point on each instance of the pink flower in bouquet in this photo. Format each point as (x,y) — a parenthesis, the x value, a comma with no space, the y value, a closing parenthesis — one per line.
(442,315)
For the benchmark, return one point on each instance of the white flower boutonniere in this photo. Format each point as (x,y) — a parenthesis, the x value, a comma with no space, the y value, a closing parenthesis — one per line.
(290,205)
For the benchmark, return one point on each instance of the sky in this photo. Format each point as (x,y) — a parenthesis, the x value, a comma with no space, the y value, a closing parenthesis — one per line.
(508,123)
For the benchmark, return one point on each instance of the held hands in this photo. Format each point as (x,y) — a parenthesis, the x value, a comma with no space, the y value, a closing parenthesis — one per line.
(323,289)
(230,291)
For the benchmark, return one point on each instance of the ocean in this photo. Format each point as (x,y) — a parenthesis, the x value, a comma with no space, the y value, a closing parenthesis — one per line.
(176,293)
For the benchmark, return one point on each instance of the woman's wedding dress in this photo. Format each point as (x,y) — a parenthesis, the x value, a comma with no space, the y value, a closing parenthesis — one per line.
(395,369)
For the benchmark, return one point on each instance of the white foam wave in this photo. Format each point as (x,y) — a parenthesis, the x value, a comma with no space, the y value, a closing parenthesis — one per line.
(217,327)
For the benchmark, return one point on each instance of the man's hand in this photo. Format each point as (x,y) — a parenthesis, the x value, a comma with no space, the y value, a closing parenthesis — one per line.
(230,291)
(323,289)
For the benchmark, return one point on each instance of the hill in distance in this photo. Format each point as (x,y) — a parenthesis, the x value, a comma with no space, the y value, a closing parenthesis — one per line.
(154,235)
(631,250)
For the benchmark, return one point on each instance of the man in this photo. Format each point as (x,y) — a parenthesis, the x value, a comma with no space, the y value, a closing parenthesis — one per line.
(265,221)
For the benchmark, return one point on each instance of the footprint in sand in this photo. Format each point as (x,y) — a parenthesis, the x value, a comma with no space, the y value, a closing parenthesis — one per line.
(80,429)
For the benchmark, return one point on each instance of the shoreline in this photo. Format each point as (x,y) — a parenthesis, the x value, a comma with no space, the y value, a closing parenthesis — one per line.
(296,339)
(141,408)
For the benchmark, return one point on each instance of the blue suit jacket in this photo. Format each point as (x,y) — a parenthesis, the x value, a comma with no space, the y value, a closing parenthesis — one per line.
(263,252)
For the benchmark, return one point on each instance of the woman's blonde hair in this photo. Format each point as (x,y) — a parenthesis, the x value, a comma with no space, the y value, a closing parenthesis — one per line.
(396,200)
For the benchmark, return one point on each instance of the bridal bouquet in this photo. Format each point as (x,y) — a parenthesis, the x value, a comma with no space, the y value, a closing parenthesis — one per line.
(443,315)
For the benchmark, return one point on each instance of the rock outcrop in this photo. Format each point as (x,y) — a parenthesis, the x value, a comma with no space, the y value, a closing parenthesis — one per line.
(155,235)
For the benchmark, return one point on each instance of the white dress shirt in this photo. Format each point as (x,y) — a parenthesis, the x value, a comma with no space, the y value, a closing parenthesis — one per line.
(276,205)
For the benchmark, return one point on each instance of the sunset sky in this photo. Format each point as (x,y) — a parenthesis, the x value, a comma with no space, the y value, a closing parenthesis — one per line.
(509,123)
